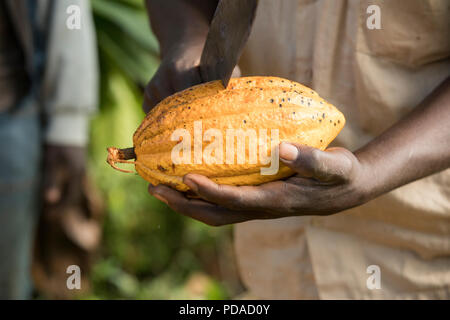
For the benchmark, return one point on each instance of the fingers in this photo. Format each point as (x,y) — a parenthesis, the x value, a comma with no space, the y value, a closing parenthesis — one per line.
(200,210)
(53,185)
(150,99)
(64,168)
(158,89)
(332,165)
(166,82)
(262,198)
(54,178)
(187,78)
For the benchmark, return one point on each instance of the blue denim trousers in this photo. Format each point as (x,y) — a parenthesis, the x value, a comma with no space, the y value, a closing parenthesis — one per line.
(20,158)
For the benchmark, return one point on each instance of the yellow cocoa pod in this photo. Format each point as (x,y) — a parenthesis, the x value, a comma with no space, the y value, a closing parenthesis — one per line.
(198,129)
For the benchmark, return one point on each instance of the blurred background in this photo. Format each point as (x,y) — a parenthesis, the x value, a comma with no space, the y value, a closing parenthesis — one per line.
(147,251)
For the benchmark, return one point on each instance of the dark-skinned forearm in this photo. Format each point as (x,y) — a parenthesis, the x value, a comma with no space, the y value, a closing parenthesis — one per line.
(415,147)
(176,22)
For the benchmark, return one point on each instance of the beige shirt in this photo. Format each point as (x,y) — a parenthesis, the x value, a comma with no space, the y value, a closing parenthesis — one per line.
(375,77)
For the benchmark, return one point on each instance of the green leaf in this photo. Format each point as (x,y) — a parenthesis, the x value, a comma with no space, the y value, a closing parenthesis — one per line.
(132,21)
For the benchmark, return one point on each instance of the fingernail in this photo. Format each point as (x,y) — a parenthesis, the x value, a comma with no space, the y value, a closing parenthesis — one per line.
(288,152)
(191,184)
(160,198)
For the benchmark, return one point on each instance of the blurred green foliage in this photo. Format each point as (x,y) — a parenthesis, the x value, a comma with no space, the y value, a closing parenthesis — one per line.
(148,251)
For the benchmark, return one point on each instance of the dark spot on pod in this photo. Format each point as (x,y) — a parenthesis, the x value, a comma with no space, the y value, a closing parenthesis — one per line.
(245,121)
(323,115)
(289,99)
(282,99)
(161,168)
(282,80)
(173,166)
(270,81)
(189,107)
(321,140)
(313,117)
(331,121)
(249,81)
(260,89)
(309,104)
(232,88)
(339,121)
(281,105)
(320,120)
(335,124)
(321,102)
(293,112)
(284,91)
(271,100)
(312,91)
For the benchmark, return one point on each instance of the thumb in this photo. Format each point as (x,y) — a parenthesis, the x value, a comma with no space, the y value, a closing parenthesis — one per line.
(334,164)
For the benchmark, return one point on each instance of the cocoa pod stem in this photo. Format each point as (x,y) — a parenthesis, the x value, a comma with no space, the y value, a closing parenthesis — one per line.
(122,156)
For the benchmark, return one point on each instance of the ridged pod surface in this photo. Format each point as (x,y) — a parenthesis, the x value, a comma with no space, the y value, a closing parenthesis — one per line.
(258,103)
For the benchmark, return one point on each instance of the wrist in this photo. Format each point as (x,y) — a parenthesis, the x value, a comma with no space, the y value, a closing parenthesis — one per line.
(182,46)
(367,180)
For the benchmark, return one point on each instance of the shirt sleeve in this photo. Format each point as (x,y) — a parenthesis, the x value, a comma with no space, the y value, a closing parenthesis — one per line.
(70,81)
